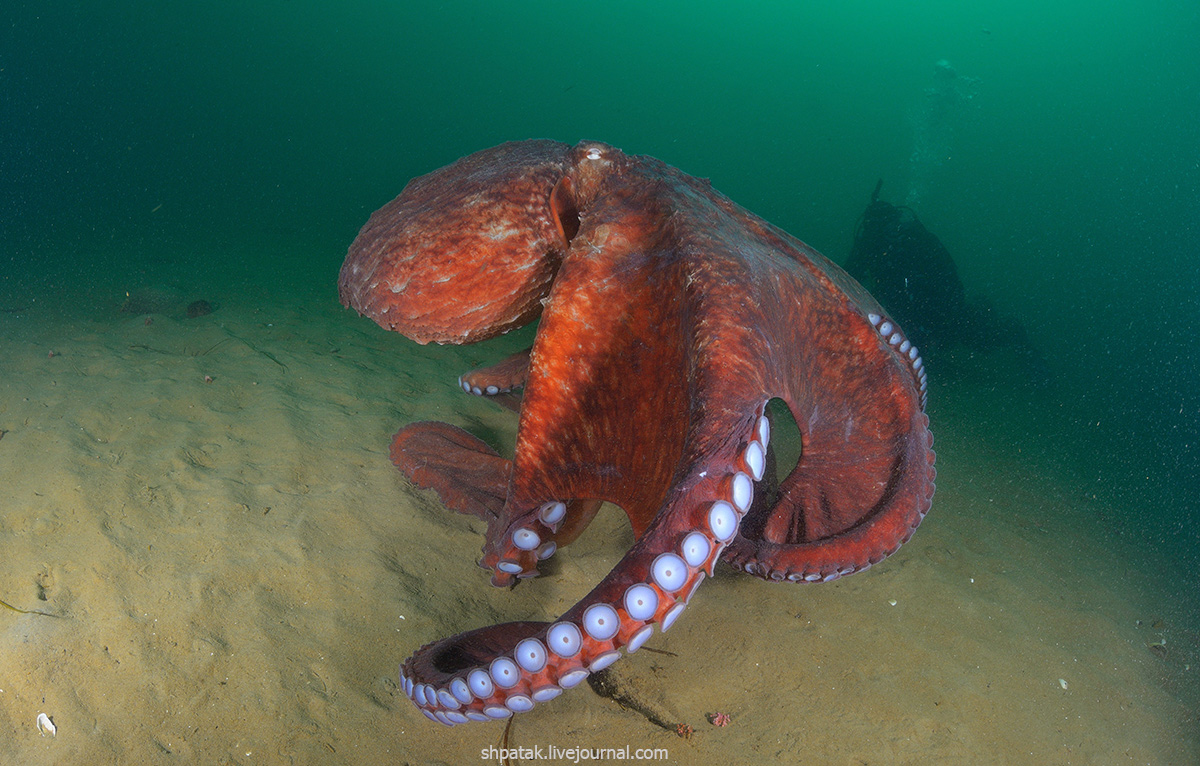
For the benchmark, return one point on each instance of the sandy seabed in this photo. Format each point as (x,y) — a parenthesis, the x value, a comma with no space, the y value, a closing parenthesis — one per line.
(234,570)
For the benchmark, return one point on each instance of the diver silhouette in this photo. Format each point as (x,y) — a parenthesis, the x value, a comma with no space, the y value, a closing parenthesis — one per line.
(908,270)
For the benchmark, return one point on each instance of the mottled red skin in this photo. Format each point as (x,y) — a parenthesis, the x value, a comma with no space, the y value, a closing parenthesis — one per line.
(669,316)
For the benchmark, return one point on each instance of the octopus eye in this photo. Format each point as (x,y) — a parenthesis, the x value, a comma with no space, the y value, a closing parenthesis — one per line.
(593,154)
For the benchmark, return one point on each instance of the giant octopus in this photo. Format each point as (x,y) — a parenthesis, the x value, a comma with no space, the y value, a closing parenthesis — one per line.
(669,318)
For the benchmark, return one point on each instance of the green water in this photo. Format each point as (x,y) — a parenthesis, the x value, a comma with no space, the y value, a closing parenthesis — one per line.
(1064,175)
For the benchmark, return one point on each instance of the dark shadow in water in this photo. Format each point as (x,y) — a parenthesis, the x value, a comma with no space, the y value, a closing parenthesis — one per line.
(908,270)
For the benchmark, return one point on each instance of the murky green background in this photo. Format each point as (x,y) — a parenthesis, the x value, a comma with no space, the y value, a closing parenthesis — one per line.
(1061,168)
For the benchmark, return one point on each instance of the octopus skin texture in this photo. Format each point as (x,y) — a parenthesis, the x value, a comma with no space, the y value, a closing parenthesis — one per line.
(669,318)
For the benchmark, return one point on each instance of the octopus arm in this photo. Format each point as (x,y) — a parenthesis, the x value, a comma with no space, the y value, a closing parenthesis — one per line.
(494,671)
(865,476)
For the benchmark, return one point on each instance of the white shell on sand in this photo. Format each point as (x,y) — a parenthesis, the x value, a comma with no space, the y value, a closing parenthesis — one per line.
(46,726)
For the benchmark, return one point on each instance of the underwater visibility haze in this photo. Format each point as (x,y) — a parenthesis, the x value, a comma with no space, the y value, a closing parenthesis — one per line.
(208,555)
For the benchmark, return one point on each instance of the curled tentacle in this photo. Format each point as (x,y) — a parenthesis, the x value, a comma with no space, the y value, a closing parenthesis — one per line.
(499,670)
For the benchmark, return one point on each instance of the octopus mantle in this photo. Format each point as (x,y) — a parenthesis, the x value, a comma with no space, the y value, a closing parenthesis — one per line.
(670,317)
